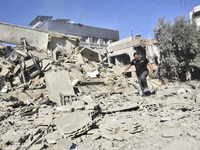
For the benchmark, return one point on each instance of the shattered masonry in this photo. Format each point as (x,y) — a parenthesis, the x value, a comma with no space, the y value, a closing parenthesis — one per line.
(56,97)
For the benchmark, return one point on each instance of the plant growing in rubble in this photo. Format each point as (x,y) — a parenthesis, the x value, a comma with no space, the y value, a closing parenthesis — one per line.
(179,44)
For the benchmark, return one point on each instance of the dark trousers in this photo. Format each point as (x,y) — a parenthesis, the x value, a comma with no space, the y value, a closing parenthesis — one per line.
(143,81)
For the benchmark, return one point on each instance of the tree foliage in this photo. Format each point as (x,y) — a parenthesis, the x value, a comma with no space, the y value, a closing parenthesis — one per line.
(179,44)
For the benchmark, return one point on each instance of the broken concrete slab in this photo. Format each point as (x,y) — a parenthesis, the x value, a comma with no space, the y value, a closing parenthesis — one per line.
(12,136)
(58,82)
(171,133)
(91,54)
(79,59)
(41,40)
(53,137)
(73,124)
(75,73)
(13,35)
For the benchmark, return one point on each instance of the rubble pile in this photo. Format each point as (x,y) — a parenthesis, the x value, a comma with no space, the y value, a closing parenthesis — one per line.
(52,101)
(46,100)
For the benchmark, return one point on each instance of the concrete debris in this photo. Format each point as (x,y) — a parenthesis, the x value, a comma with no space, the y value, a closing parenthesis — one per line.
(58,83)
(41,40)
(171,133)
(89,54)
(74,82)
(64,144)
(93,74)
(119,129)
(73,124)
(53,96)
(53,137)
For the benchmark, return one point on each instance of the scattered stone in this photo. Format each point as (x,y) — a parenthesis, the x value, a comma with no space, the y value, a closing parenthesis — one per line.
(170,133)
(73,124)
(40,108)
(53,137)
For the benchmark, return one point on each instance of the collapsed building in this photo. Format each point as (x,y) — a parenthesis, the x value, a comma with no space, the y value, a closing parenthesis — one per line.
(53,96)
(120,53)
(40,40)
(47,69)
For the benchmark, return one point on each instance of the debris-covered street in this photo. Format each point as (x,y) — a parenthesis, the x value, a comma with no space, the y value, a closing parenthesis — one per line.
(77,103)
(101,119)
(64,91)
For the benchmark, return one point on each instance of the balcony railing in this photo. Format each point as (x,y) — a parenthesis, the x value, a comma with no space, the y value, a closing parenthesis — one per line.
(97,45)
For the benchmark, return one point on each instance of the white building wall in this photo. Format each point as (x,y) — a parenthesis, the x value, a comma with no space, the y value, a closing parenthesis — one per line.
(195,15)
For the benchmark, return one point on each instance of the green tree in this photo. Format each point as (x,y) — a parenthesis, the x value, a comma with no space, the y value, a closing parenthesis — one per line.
(178,44)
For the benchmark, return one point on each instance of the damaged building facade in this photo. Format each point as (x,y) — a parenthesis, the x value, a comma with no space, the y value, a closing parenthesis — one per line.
(120,53)
(40,40)
(195,15)
(93,37)
(27,59)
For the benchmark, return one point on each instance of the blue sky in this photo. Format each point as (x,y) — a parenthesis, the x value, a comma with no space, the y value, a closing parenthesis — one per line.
(140,16)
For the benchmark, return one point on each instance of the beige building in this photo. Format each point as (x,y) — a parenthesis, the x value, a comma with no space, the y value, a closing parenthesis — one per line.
(195,15)
(120,53)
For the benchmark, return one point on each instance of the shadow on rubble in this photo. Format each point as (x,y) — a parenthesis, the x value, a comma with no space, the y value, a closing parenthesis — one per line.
(195,73)
(149,93)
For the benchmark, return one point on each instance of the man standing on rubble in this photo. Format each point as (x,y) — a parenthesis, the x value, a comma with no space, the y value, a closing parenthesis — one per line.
(142,72)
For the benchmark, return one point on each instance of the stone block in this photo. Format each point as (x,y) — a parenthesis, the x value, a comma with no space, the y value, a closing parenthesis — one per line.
(73,124)
(170,133)
(58,81)
(53,137)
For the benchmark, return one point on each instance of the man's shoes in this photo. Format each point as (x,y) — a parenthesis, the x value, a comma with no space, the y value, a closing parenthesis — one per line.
(146,94)
(143,95)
